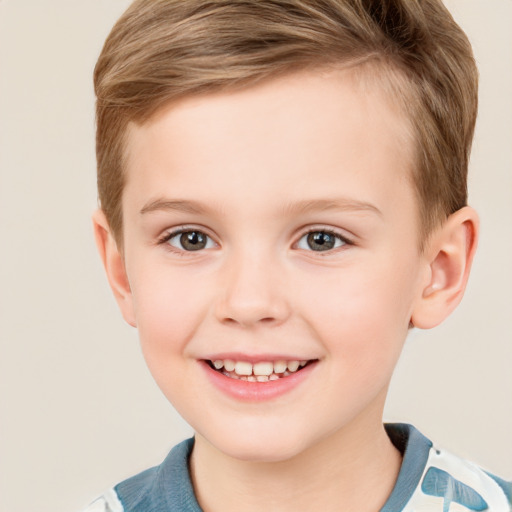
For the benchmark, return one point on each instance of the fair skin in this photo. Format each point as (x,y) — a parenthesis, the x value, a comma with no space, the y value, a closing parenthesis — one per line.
(274,224)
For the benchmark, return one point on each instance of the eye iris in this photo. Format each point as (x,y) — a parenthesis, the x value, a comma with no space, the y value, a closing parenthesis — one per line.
(193,240)
(320,241)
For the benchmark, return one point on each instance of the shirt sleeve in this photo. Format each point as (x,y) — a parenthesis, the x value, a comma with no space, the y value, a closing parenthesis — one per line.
(109,502)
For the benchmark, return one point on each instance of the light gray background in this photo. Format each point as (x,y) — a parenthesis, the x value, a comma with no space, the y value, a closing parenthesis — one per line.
(78,409)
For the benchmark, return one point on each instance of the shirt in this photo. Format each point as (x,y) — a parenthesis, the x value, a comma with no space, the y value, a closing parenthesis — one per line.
(430,480)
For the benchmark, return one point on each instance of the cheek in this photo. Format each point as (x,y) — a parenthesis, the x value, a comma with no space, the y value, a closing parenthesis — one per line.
(363,313)
(168,307)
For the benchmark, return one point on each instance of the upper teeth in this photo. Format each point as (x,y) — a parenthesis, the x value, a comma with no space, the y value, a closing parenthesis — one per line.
(263,368)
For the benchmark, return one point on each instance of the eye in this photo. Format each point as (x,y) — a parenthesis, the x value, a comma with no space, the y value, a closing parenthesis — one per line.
(190,240)
(321,241)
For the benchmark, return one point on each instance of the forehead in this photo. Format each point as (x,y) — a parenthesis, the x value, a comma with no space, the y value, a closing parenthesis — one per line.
(307,135)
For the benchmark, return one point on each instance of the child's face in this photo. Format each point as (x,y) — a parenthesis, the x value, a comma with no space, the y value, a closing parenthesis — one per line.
(297,199)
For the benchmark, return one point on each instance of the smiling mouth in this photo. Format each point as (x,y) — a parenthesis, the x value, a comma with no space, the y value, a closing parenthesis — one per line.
(263,371)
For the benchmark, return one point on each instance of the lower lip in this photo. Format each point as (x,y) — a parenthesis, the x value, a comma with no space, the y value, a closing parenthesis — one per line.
(257,391)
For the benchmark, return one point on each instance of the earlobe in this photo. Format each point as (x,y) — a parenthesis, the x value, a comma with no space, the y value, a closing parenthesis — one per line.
(113,263)
(450,254)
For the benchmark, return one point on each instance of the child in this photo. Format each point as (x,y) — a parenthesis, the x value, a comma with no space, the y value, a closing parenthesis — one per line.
(283,196)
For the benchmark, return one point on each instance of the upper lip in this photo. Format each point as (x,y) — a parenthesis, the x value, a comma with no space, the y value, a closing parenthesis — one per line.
(256,358)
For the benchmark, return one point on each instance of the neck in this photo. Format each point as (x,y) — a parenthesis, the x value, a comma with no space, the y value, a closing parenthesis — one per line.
(356,466)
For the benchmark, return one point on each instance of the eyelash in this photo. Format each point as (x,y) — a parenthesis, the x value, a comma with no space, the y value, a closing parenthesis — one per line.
(326,231)
(164,240)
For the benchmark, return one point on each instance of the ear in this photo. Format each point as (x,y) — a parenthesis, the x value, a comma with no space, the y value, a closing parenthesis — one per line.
(449,254)
(114,266)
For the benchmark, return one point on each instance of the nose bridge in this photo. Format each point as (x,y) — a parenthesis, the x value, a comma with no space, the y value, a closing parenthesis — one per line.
(250,292)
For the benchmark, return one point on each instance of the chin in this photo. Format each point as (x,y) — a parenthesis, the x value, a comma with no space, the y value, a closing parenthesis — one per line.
(259,445)
(257,452)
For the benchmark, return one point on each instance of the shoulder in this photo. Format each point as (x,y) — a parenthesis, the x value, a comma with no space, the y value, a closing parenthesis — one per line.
(456,480)
(109,502)
(166,487)
(433,479)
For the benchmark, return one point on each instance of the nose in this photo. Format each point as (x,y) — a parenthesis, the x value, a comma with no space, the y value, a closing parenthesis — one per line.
(252,293)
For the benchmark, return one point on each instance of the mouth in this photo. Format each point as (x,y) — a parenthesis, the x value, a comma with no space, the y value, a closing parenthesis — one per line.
(263,371)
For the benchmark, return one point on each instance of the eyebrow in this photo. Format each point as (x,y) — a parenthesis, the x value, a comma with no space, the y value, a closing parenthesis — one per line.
(301,207)
(177,205)
(340,204)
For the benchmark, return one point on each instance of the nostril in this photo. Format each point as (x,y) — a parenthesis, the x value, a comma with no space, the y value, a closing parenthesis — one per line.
(242,321)
(251,306)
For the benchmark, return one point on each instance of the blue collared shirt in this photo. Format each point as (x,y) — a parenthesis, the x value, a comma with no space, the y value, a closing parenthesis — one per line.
(430,480)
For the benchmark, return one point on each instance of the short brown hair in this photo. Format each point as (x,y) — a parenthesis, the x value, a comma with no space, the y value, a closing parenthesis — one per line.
(163,50)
